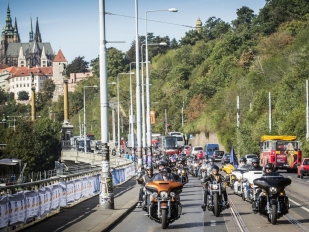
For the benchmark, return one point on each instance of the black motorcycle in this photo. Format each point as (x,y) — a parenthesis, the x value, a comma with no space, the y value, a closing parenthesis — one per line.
(215,197)
(272,202)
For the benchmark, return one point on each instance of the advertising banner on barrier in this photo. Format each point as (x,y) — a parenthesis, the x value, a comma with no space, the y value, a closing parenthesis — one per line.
(96,185)
(129,171)
(63,194)
(17,208)
(70,191)
(77,190)
(4,211)
(44,199)
(32,204)
(55,203)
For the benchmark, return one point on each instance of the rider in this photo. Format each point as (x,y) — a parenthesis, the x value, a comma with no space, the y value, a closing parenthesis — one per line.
(214,176)
(255,165)
(148,177)
(269,170)
(242,165)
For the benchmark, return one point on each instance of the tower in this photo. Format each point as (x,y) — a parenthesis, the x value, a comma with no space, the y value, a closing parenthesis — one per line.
(31,31)
(37,35)
(198,25)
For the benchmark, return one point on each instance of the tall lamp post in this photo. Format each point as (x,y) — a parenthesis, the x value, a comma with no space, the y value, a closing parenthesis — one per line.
(143,94)
(147,84)
(85,137)
(118,107)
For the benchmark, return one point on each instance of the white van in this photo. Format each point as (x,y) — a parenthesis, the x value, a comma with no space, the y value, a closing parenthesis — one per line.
(180,140)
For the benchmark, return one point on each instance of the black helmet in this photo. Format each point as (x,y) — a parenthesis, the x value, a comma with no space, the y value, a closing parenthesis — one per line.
(243,159)
(162,162)
(215,167)
(149,168)
(255,160)
(269,166)
(166,170)
(211,160)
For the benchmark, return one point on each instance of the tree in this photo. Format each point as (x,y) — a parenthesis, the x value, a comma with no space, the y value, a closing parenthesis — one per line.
(78,65)
(23,95)
(190,38)
(48,88)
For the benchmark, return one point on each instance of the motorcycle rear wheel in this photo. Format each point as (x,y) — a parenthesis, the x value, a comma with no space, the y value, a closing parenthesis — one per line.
(274,215)
(216,209)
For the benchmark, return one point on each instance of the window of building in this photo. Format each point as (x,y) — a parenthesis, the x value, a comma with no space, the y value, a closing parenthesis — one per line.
(27,84)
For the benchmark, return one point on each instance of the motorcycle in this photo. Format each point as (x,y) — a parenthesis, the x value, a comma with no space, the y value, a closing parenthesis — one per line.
(164,209)
(228,168)
(215,197)
(250,176)
(272,202)
(183,174)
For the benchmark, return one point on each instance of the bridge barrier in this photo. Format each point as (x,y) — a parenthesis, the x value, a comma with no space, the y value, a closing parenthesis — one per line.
(24,204)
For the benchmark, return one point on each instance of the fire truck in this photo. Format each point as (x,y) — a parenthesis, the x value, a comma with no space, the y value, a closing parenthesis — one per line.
(283,151)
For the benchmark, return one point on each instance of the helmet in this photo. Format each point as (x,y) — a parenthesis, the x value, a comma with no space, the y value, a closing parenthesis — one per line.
(211,160)
(149,168)
(179,161)
(162,162)
(255,160)
(243,159)
(215,168)
(269,166)
(166,171)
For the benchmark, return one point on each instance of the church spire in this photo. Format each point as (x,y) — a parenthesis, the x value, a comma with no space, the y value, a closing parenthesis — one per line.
(31,31)
(16,32)
(8,26)
(37,35)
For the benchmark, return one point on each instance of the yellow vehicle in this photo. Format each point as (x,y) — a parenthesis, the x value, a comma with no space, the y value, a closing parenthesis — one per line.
(228,168)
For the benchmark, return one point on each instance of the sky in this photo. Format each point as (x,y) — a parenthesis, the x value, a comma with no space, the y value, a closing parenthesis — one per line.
(73,25)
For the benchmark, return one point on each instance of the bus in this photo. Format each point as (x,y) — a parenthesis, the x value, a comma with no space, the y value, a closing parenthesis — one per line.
(283,151)
(168,144)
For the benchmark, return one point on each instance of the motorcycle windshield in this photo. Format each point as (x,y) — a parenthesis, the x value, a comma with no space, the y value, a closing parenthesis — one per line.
(266,182)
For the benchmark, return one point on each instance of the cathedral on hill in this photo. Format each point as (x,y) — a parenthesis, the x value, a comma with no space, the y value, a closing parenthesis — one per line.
(30,54)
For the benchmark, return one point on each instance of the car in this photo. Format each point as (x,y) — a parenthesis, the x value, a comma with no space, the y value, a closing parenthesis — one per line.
(217,155)
(225,159)
(196,149)
(175,133)
(303,168)
(249,158)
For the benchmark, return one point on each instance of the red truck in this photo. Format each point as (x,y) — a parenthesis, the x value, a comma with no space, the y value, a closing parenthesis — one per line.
(303,168)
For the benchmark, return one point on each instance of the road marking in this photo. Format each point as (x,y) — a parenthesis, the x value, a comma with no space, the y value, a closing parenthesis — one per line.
(294,202)
(212,223)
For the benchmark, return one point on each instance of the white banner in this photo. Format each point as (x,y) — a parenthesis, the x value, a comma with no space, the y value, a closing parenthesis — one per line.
(129,171)
(70,191)
(17,208)
(77,190)
(63,194)
(55,204)
(85,192)
(4,211)
(44,196)
(32,204)
(91,186)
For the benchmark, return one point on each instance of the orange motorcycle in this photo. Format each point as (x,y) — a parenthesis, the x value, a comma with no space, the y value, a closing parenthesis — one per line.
(164,209)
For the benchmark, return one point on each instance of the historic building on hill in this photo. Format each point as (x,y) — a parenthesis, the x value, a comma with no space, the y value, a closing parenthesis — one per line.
(30,54)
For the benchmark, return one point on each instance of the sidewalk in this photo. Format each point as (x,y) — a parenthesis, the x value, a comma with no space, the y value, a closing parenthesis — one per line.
(88,216)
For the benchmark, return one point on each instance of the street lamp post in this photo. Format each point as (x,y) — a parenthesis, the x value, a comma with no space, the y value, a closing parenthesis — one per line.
(147,84)
(118,107)
(85,137)
(143,94)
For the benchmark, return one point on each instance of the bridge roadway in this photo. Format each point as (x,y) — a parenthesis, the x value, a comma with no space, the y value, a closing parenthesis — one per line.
(88,216)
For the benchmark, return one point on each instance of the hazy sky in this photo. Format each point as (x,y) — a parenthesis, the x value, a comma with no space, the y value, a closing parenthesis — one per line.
(73,25)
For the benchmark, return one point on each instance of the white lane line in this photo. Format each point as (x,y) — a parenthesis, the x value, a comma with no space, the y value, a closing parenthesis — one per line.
(212,223)
(294,202)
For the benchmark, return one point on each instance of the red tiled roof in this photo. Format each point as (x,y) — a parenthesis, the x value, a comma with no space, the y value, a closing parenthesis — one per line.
(2,66)
(37,71)
(59,57)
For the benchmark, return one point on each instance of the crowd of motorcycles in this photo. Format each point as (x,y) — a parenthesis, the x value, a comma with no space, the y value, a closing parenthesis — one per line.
(264,192)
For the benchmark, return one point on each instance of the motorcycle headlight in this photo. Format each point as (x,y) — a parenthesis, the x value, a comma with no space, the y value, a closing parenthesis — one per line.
(214,186)
(163,194)
(272,189)
(172,194)
(155,194)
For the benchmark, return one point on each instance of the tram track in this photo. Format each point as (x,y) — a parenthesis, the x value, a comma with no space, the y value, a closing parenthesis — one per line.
(239,223)
(296,223)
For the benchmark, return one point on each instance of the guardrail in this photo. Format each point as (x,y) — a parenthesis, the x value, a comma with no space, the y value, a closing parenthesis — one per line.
(24,204)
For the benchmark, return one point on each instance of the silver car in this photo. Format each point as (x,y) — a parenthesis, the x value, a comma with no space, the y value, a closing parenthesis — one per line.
(249,158)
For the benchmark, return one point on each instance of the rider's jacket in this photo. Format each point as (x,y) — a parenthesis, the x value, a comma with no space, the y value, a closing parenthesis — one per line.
(266,174)
(219,178)
(159,176)
(147,178)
